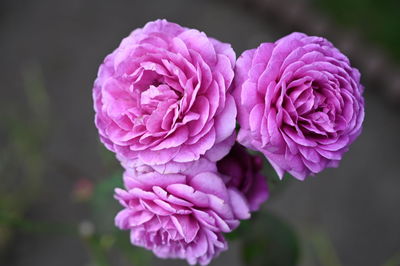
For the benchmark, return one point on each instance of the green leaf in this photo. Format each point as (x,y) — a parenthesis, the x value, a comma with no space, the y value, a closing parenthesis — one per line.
(269,241)
(324,249)
(393,261)
(136,255)
(104,209)
(274,183)
(239,233)
(97,251)
(107,157)
(104,206)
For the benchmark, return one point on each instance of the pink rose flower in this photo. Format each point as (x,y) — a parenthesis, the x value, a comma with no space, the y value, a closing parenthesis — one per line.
(243,171)
(299,102)
(180,215)
(163,95)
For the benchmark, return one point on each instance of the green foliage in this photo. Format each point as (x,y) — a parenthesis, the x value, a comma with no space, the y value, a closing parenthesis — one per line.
(108,158)
(275,185)
(267,240)
(103,205)
(25,131)
(135,255)
(377,19)
(323,248)
(393,261)
(98,251)
(22,162)
(107,237)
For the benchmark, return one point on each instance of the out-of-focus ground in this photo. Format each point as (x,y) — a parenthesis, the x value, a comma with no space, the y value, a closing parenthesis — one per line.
(50,53)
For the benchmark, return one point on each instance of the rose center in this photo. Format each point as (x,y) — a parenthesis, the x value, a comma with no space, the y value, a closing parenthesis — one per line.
(316,113)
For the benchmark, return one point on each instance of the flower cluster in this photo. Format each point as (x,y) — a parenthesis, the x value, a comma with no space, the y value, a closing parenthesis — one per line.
(163,104)
(167,101)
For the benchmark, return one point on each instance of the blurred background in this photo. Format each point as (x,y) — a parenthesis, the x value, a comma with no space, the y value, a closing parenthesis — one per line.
(57,180)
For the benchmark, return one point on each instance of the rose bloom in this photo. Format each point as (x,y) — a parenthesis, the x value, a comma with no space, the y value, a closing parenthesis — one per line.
(163,96)
(180,215)
(243,171)
(299,102)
